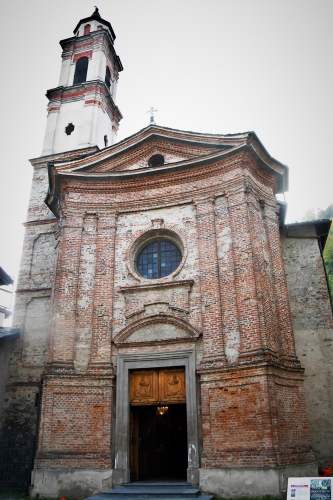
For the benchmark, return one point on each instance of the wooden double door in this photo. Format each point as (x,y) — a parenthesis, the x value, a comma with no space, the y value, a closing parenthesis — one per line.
(158,441)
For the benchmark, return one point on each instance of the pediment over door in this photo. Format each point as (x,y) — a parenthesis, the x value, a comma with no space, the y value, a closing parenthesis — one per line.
(157,329)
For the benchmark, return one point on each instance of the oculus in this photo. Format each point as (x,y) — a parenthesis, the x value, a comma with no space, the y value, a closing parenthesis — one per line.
(156,254)
(158,259)
(156,161)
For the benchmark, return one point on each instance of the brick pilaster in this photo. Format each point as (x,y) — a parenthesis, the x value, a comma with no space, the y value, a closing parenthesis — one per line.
(225,253)
(103,294)
(245,283)
(209,284)
(85,295)
(65,293)
(284,318)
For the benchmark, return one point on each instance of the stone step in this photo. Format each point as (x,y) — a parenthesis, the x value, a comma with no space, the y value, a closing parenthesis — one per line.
(153,490)
(102,496)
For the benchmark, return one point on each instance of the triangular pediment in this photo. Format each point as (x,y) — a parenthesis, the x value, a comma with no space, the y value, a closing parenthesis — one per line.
(134,153)
(180,150)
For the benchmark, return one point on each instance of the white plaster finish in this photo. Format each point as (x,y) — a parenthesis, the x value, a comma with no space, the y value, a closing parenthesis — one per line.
(51,125)
(71,112)
(36,330)
(91,123)
(114,89)
(101,125)
(130,226)
(97,66)
(157,332)
(85,300)
(65,73)
(250,482)
(71,73)
(74,483)
(313,330)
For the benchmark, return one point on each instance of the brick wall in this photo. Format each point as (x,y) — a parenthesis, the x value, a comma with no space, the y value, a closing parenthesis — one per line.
(82,302)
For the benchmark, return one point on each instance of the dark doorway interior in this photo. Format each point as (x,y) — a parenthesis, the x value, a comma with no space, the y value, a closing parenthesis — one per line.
(158,443)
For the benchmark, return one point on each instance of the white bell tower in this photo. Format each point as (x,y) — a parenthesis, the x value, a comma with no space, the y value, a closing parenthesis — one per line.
(82,110)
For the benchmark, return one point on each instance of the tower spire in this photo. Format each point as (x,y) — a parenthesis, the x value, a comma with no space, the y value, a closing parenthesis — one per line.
(96,12)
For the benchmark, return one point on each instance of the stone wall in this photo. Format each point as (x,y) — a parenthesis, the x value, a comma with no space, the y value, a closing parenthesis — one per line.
(5,348)
(32,314)
(313,328)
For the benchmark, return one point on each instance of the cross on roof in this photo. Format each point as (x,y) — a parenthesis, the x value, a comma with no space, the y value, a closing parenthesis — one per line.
(152,118)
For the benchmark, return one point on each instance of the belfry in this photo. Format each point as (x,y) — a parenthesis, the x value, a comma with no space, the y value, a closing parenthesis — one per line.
(82,110)
(161,326)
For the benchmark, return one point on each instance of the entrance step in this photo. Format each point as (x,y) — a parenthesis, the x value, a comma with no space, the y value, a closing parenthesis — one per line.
(153,490)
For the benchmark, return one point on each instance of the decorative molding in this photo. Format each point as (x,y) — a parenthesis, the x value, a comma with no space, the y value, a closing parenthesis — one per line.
(165,319)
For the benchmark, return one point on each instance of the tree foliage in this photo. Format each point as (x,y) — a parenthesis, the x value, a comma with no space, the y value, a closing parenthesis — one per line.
(326,214)
(328,258)
(312,214)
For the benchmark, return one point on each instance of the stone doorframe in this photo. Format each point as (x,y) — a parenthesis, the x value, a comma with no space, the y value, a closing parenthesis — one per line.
(126,362)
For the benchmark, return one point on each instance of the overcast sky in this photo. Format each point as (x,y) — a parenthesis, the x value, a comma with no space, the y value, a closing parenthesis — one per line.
(219,66)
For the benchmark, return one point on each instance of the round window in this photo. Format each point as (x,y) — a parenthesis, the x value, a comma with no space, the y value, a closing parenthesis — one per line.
(158,259)
(156,161)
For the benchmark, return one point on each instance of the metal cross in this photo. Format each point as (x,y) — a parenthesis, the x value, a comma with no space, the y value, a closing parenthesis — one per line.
(152,118)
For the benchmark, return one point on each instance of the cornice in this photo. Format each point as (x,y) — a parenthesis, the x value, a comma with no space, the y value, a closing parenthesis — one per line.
(61,95)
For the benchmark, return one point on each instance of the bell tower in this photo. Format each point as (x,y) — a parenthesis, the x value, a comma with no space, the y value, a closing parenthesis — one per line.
(82,110)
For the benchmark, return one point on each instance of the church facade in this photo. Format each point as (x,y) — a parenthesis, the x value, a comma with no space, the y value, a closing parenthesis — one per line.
(159,299)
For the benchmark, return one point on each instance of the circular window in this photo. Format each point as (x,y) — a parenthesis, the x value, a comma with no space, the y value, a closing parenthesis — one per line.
(156,161)
(158,259)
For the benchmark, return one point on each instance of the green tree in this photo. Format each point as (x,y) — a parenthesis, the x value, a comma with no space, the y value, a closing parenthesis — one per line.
(326,214)
(328,258)
(312,214)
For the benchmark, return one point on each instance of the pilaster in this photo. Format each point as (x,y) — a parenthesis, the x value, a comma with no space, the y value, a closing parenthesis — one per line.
(209,284)
(103,293)
(65,295)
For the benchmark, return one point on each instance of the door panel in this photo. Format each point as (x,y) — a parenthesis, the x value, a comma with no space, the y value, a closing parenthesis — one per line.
(143,387)
(172,386)
(134,445)
(153,387)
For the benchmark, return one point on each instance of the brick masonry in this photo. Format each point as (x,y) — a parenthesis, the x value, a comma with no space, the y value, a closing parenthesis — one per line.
(81,302)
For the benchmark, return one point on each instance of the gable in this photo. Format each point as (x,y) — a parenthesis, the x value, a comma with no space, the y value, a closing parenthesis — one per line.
(172,152)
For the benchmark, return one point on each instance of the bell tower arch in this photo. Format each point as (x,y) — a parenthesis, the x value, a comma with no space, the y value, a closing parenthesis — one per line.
(82,110)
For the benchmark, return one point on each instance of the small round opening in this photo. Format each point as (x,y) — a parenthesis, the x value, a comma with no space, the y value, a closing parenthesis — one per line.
(156,161)
(69,129)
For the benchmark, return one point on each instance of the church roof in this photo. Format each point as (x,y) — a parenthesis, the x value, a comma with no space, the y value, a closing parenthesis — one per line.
(5,279)
(318,227)
(95,15)
(118,162)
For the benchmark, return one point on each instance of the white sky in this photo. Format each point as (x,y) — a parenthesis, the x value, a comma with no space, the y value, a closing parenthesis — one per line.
(219,66)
